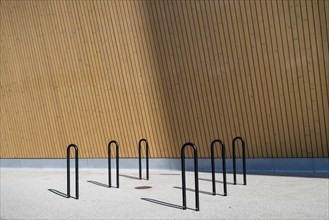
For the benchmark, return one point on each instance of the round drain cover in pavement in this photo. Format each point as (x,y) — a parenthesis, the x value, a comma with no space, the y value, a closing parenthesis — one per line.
(143,187)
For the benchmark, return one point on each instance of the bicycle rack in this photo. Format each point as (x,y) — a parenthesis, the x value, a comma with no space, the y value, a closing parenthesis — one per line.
(116,159)
(195,175)
(243,160)
(76,170)
(213,166)
(140,158)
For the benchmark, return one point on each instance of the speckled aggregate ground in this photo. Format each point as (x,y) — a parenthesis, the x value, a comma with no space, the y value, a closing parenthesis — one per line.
(36,194)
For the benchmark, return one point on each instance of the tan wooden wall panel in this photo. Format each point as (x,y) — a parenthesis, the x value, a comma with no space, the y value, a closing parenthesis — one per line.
(85,72)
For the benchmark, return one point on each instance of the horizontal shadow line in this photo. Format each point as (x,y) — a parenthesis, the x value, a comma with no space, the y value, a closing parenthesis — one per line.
(130,177)
(218,181)
(164,203)
(192,190)
(98,184)
(58,192)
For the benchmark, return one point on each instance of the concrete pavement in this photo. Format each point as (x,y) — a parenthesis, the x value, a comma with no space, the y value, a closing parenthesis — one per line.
(39,194)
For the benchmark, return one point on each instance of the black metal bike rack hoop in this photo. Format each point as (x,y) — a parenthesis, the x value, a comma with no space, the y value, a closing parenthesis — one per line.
(140,158)
(243,160)
(213,166)
(116,159)
(196,178)
(76,170)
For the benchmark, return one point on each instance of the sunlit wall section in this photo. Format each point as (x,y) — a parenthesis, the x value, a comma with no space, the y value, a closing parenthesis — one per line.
(85,72)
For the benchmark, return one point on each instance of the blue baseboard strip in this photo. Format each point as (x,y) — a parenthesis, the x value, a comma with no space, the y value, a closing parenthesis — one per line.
(316,165)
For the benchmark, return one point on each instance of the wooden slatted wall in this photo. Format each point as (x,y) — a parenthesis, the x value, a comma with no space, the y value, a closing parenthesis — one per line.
(170,71)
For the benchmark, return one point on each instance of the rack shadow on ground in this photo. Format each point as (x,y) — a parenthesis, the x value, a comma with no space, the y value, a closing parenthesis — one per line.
(200,191)
(100,184)
(218,181)
(58,193)
(164,203)
(130,177)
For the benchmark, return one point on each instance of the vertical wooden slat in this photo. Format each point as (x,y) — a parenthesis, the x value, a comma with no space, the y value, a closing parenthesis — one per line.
(277,71)
(108,131)
(291,78)
(37,102)
(205,58)
(313,73)
(186,126)
(285,77)
(235,67)
(230,74)
(146,54)
(153,73)
(299,60)
(130,86)
(177,108)
(53,51)
(264,70)
(308,78)
(216,67)
(202,76)
(67,76)
(267,80)
(92,74)
(192,122)
(6,51)
(240,73)
(18,101)
(321,79)
(92,77)
(252,92)
(195,83)
(144,57)
(141,122)
(77,87)
(43,101)
(323,9)
(257,84)
(159,51)
(117,124)
(226,90)
(123,94)
(100,85)
(276,146)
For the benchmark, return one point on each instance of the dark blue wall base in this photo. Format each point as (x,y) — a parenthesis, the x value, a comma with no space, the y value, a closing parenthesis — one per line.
(320,165)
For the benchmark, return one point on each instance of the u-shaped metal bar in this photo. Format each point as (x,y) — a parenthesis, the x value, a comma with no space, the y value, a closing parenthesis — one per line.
(76,170)
(140,158)
(213,166)
(196,172)
(243,160)
(116,159)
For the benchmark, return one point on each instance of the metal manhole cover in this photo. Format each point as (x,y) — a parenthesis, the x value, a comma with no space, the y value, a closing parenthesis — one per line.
(143,187)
